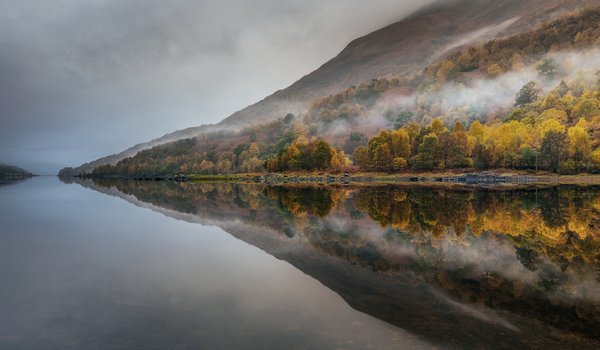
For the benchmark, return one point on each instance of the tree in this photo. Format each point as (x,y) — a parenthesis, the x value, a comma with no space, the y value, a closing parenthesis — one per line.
(207,167)
(482,156)
(459,146)
(238,151)
(321,155)
(382,157)
(427,157)
(527,94)
(547,68)
(553,149)
(252,165)
(400,163)
(587,108)
(476,130)
(403,118)
(400,143)
(562,88)
(580,144)
(553,113)
(288,118)
(445,148)
(550,125)
(361,157)
(437,126)
(528,157)
(224,166)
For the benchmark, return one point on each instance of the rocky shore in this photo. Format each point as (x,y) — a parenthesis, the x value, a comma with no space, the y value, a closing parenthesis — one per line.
(482,178)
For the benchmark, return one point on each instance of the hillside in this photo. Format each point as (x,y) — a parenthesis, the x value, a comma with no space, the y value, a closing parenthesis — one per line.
(400,49)
(132,151)
(527,101)
(406,47)
(9,172)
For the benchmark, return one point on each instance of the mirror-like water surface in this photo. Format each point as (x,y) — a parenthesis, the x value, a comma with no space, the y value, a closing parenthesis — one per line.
(248,266)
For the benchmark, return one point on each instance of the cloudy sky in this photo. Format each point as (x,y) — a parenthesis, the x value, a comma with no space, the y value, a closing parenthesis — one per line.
(83,79)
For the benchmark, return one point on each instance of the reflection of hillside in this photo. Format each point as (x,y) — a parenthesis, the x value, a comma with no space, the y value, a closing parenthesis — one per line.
(534,254)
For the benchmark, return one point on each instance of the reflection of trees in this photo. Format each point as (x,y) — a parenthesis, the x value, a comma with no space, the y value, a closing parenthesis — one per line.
(551,210)
(315,201)
(557,215)
(555,234)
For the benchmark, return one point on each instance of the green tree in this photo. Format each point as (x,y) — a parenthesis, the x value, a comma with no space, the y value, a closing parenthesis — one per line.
(403,118)
(553,149)
(527,94)
(547,69)
(427,157)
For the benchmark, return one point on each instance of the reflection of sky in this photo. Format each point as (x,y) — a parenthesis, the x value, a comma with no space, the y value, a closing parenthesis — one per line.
(91,271)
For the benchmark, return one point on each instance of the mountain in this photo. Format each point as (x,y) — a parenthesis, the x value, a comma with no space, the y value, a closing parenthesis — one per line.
(408,46)
(400,50)
(9,172)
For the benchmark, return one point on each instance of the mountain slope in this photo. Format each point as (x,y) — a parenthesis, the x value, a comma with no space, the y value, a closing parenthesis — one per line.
(408,46)
(132,151)
(400,49)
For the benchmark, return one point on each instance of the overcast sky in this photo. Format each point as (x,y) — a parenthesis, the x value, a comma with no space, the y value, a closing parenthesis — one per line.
(84,79)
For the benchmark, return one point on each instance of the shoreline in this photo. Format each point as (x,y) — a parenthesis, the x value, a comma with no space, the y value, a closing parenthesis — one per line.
(502,178)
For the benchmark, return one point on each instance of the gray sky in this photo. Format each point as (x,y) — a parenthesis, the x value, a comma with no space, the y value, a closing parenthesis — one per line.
(84,79)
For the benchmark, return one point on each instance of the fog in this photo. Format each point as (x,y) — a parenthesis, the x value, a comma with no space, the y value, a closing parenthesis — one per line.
(82,80)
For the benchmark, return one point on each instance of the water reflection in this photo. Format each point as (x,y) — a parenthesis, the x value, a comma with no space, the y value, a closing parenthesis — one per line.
(458,266)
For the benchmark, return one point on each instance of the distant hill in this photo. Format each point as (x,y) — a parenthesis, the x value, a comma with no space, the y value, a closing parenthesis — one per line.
(9,172)
(132,151)
(400,50)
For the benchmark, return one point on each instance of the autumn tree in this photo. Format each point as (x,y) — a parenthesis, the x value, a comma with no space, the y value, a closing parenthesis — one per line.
(580,144)
(400,144)
(321,154)
(587,109)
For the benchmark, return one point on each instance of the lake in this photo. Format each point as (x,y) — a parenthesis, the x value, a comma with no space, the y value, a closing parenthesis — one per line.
(161,265)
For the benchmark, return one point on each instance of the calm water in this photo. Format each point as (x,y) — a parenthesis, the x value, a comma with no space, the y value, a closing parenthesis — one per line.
(154,265)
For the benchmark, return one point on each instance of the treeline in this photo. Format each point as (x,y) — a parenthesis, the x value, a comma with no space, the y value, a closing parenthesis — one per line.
(314,155)
(186,157)
(558,133)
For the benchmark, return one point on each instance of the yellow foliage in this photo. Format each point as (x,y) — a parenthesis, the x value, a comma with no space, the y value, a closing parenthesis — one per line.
(550,125)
